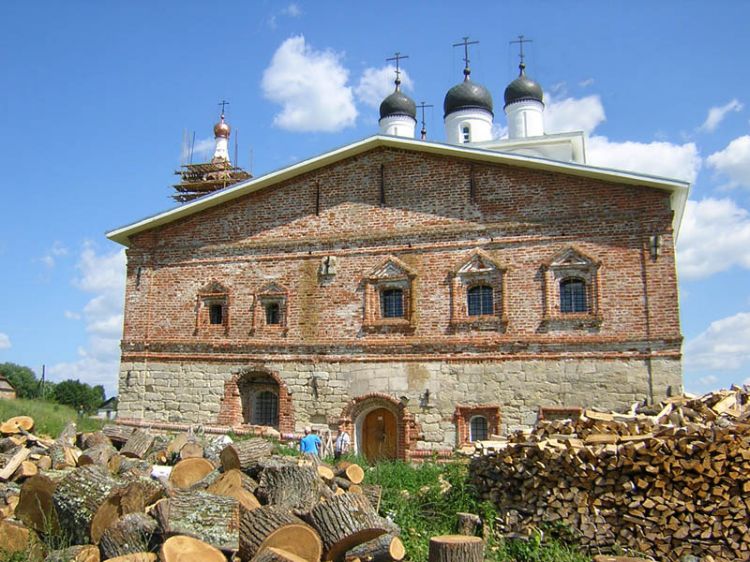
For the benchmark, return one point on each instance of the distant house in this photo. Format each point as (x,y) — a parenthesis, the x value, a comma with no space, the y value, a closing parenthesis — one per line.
(6,389)
(108,409)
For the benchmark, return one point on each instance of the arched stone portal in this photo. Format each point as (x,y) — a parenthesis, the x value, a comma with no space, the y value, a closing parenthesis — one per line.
(394,435)
(257,396)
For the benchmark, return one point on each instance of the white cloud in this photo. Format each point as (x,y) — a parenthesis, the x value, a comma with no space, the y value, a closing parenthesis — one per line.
(680,161)
(70,315)
(311,86)
(4,341)
(292,10)
(58,249)
(715,236)
(573,114)
(203,149)
(102,276)
(733,161)
(724,345)
(717,114)
(377,83)
(586,83)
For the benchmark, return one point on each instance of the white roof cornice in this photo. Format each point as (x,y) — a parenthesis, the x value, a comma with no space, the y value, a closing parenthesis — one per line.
(678,189)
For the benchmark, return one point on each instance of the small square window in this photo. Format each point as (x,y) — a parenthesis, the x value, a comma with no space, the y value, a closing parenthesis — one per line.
(216,314)
(273,313)
(392,303)
(478,429)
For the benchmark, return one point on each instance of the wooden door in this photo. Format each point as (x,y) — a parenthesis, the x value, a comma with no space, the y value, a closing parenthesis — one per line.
(379,435)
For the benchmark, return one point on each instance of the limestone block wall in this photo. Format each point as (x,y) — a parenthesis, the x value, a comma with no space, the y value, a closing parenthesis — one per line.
(193,392)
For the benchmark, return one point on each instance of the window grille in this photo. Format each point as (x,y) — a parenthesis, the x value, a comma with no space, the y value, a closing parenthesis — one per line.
(392,303)
(573,296)
(266,410)
(273,313)
(466,133)
(478,428)
(481,300)
(216,314)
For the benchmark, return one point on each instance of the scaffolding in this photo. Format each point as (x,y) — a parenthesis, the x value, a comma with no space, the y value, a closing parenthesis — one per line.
(197,180)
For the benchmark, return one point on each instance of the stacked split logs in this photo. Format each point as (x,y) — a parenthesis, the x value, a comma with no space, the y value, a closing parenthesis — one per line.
(127,495)
(668,480)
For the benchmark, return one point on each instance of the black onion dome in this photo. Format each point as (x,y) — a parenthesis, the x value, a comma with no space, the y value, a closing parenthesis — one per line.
(398,103)
(523,88)
(467,95)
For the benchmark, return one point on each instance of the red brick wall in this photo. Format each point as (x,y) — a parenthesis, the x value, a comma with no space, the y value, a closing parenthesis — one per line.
(519,217)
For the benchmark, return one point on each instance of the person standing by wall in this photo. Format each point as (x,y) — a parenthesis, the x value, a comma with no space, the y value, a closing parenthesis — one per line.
(341,445)
(310,445)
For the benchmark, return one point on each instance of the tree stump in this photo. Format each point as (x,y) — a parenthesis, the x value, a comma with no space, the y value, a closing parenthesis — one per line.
(468,524)
(245,454)
(189,471)
(208,517)
(344,522)
(290,486)
(80,553)
(99,454)
(182,548)
(272,554)
(129,534)
(138,445)
(385,548)
(456,548)
(271,526)
(79,497)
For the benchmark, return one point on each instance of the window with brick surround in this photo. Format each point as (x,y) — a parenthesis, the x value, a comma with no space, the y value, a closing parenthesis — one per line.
(389,297)
(571,290)
(212,309)
(266,409)
(476,423)
(478,294)
(270,310)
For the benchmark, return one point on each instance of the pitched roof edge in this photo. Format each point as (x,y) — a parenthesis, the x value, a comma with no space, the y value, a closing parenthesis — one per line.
(678,188)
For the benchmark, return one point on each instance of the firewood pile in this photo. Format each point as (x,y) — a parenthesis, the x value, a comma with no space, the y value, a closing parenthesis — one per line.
(127,495)
(667,480)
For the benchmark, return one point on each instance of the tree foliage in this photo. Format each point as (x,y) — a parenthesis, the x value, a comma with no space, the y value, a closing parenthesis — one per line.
(79,395)
(23,380)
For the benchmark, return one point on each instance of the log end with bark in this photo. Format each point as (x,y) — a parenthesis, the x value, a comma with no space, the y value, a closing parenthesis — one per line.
(456,548)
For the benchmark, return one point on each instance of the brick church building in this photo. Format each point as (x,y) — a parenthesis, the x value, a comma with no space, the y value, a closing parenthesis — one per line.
(419,294)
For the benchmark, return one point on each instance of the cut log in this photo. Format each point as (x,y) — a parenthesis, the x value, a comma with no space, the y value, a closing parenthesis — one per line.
(189,471)
(342,483)
(290,486)
(79,498)
(270,526)
(385,548)
(350,470)
(68,435)
(44,463)
(120,465)
(118,434)
(174,446)
(26,470)
(138,445)
(326,472)
(139,493)
(63,455)
(35,507)
(15,424)
(131,533)
(344,522)
(236,484)
(15,537)
(181,548)
(272,554)
(208,479)
(208,517)
(99,454)
(373,492)
(80,553)
(245,454)
(456,548)
(13,463)
(468,524)
(191,451)
(96,439)
(355,489)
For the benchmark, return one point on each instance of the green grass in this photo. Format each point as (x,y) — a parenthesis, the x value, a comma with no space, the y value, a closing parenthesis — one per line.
(49,418)
(424,499)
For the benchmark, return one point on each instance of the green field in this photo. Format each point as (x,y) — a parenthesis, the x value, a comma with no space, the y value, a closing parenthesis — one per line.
(49,418)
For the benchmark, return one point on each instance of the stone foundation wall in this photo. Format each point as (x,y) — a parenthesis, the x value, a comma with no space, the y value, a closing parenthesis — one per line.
(320,392)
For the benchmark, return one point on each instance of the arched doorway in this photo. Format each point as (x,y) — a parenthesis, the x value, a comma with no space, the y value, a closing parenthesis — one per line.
(259,395)
(377,435)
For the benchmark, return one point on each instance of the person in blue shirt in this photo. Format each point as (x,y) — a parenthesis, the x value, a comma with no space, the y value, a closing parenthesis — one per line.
(310,444)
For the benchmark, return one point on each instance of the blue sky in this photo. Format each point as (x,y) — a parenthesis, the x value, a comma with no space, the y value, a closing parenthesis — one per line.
(96,97)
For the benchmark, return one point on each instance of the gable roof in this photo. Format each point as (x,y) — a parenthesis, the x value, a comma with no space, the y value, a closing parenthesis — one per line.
(678,189)
(5,384)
